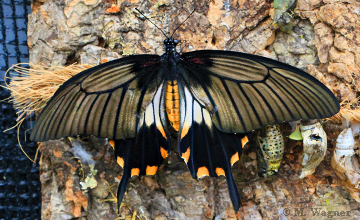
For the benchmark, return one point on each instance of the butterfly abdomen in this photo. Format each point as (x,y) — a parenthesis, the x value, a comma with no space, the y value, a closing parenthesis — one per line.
(172,104)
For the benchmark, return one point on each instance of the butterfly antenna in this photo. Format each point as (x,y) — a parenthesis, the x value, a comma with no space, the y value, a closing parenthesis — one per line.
(151,22)
(182,23)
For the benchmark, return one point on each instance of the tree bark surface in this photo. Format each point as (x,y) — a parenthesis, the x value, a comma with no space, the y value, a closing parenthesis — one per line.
(324,42)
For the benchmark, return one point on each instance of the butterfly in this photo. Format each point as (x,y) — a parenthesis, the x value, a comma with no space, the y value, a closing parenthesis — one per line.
(209,99)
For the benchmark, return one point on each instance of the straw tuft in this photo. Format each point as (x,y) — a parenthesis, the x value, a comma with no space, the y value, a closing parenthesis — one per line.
(31,88)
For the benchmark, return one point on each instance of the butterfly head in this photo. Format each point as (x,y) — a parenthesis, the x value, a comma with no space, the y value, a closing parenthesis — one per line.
(170,44)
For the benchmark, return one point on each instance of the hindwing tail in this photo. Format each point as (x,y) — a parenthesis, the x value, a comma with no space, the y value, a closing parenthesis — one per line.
(206,150)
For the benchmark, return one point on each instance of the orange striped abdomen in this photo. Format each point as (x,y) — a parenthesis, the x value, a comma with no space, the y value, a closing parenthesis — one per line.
(172,104)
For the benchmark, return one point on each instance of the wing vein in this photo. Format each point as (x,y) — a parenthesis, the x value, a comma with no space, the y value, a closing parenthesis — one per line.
(48,124)
(281,100)
(192,144)
(251,105)
(61,121)
(140,102)
(119,110)
(88,113)
(303,97)
(266,102)
(293,97)
(103,113)
(318,98)
(233,103)
(207,94)
(211,168)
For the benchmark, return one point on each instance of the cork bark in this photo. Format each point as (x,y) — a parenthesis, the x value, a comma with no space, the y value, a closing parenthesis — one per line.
(77,178)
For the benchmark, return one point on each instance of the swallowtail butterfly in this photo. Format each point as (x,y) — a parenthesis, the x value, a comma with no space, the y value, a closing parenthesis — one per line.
(210,98)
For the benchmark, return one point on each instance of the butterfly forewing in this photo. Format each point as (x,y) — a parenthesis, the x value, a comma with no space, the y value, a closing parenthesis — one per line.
(243,92)
(220,93)
(105,101)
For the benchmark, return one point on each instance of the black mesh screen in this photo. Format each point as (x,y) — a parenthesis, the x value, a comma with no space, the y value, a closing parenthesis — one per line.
(20,196)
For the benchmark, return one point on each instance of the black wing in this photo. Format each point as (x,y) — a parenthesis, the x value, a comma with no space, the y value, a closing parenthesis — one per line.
(244,92)
(206,150)
(144,154)
(106,100)
(224,93)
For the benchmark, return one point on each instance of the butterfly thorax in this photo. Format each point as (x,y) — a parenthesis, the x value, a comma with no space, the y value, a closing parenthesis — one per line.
(172,104)
(171,57)
(170,45)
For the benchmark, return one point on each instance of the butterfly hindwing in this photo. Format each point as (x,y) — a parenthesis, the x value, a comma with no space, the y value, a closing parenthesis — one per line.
(122,154)
(206,150)
(104,101)
(244,92)
(144,154)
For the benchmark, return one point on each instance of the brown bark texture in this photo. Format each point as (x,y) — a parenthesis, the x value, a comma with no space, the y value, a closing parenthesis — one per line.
(79,180)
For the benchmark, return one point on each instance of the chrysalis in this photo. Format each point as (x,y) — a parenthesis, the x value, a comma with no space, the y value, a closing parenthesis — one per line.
(315,145)
(346,164)
(270,150)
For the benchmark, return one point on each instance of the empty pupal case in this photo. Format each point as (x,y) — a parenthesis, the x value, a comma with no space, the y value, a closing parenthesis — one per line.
(314,146)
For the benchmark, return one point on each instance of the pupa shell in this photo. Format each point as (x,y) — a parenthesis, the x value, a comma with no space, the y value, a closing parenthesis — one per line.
(314,146)
(345,163)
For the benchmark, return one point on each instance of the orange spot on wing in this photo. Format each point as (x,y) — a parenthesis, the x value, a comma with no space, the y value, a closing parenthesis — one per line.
(234,158)
(220,171)
(135,171)
(120,161)
(202,171)
(151,170)
(163,152)
(186,155)
(112,143)
(244,140)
